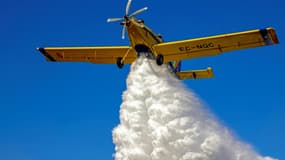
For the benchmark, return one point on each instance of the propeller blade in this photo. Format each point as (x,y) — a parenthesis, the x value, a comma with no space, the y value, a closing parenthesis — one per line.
(128,7)
(114,19)
(138,11)
(124,32)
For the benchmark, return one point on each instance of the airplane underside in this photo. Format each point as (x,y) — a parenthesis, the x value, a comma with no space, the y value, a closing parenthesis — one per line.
(173,67)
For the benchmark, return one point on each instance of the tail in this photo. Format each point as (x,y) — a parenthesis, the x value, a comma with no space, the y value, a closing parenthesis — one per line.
(195,74)
(192,74)
(177,66)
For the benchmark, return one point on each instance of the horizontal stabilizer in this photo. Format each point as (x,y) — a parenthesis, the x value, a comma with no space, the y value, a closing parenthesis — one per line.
(194,74)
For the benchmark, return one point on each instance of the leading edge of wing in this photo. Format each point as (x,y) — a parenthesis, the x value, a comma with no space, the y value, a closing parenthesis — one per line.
(268,34)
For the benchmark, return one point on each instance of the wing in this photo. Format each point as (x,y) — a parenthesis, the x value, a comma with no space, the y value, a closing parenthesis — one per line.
(214,45)
(101,55)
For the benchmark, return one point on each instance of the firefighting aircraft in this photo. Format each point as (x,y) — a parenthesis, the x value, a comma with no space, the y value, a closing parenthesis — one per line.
(144,41)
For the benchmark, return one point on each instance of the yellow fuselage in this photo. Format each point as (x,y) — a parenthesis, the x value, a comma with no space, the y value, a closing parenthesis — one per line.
(140,34)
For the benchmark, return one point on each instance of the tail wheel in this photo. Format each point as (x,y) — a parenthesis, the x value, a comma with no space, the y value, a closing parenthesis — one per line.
(159,59)
(120,63)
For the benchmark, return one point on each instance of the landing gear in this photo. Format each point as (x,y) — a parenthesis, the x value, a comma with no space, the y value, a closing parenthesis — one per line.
(120,63)
(143,49)
(159,59)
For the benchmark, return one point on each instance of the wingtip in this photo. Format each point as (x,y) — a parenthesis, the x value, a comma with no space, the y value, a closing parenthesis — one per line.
(45,53)
(210,72)
(273,35)
(269,36)
(41,49)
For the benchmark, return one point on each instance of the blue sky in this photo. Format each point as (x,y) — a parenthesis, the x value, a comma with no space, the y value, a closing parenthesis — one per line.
(68,110)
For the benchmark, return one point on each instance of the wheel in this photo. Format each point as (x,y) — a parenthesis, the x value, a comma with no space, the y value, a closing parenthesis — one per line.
(120,64)
(159,59)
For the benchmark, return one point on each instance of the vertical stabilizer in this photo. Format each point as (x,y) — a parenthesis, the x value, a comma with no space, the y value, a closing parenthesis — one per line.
(177,66)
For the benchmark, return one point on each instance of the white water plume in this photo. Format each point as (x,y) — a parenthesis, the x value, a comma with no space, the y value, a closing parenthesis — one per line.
(162,120)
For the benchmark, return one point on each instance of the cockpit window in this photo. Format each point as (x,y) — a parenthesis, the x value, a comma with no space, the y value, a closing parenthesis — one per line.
(140,21)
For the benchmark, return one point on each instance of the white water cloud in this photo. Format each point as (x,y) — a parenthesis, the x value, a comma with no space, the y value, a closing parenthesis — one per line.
(162,120)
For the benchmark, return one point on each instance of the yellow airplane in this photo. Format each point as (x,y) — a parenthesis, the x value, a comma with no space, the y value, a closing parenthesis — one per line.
(144,41)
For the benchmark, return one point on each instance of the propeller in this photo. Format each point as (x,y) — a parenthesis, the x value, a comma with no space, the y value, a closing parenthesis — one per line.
(126,18)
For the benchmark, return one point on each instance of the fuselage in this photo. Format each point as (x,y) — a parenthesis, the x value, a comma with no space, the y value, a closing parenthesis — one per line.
(142,39)
(140,34)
